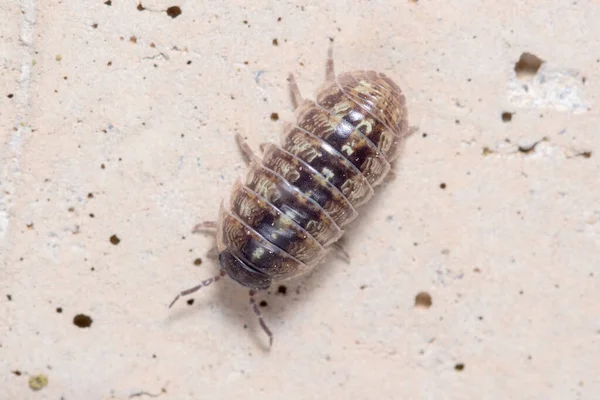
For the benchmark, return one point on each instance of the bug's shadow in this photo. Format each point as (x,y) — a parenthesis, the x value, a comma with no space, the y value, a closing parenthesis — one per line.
(275,304)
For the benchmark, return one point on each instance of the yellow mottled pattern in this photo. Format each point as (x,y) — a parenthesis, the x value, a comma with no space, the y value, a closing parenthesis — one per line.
(270,186)
(338,207)
(327,126)
(377,89)
(304,145)
(251,209)
(233,233)
(377,100)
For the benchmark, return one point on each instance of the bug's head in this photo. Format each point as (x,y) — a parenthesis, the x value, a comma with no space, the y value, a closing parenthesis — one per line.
(242,272)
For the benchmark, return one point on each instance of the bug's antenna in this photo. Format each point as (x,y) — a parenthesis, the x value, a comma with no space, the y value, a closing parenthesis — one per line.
(204,283)
(260,317)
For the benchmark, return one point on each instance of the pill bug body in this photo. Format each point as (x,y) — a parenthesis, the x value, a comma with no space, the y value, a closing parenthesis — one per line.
(294,202)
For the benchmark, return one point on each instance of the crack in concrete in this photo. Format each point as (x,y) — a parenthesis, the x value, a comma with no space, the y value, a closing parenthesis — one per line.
(530,149)
(163,390)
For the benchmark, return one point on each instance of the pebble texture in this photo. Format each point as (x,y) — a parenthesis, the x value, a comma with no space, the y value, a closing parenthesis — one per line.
(473,275)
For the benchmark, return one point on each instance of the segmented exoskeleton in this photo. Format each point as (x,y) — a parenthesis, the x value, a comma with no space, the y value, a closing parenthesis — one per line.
(291,208)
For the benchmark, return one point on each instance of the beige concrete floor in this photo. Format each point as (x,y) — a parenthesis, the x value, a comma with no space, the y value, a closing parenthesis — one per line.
(118,119)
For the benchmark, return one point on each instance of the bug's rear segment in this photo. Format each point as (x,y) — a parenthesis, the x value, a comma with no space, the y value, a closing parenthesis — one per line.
(373,104)
(294,202)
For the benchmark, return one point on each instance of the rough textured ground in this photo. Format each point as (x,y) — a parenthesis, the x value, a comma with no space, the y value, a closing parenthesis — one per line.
(118,119)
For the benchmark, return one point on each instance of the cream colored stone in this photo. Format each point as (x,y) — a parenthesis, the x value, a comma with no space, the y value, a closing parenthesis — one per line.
(506,242)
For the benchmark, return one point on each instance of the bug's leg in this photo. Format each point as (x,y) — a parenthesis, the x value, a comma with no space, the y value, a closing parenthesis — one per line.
(202,284)
(260,317)
(411,130)
(205,226)
(390,177)
(343,254)
(213,253)
(287,128)
(249,155)
(329,69)
(294,91)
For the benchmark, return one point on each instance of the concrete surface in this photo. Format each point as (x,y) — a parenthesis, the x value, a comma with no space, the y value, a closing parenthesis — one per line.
(119,120)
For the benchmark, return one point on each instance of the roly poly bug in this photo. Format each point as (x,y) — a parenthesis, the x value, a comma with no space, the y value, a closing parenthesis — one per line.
(290,211)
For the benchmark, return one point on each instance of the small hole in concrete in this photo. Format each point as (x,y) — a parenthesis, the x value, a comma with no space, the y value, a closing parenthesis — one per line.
(274,116)
(140,7)
(90,195)
(528,65)
(275,42)
(17,372)
(459,367)
(9,297)
(190,302)
(263,303)
(108,2)
(506,116)
(587,154)
(82,321)
(423,299)
(115,240)
(442,185)
(282,289)
(198,261)
(59,310)
(173,11)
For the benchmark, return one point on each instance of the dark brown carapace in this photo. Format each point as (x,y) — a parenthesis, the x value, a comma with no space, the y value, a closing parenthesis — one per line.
(291,208)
